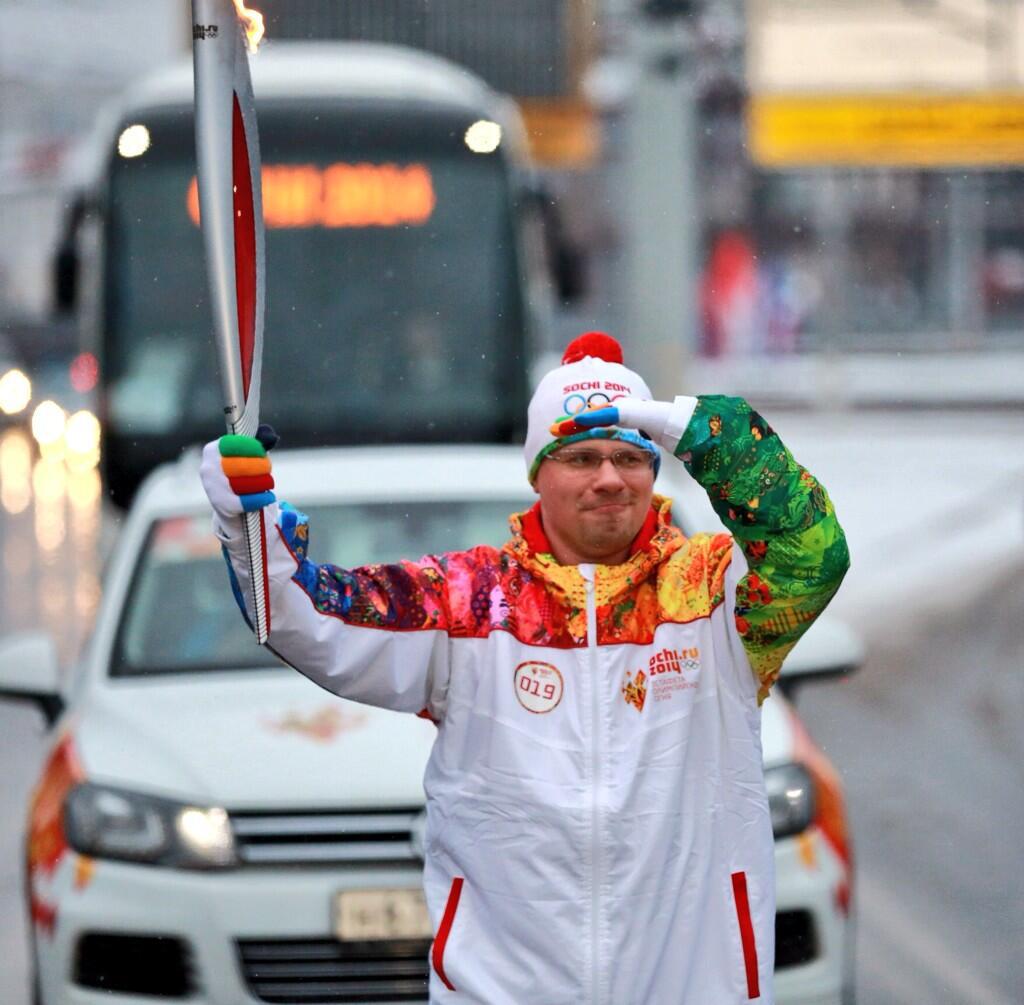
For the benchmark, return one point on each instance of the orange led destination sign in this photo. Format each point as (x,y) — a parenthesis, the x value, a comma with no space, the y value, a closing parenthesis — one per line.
(341,195)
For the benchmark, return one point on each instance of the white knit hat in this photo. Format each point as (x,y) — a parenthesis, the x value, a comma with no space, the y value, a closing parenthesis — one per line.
(591,374)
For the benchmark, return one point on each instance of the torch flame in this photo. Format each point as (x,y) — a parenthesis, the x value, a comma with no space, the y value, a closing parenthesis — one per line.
(253,21)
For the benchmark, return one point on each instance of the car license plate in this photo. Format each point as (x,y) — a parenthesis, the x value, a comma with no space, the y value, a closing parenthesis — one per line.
(369,915)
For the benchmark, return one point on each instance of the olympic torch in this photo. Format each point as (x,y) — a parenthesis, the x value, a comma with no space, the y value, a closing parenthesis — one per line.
(231,213)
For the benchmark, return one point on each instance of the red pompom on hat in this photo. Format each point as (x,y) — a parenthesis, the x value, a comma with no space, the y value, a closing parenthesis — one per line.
(595,344)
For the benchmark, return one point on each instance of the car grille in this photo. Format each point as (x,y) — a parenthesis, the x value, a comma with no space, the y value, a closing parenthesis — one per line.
(325,970)
(328,971)
(321,838)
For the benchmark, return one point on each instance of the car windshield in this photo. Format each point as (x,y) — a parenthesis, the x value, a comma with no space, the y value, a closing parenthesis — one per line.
(180,615)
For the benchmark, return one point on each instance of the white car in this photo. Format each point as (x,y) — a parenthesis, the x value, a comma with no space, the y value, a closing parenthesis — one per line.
(211,826)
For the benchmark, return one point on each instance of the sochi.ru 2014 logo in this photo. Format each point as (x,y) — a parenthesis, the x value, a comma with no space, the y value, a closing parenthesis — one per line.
(538,686)
(673,671)
(674,661)
(666,676)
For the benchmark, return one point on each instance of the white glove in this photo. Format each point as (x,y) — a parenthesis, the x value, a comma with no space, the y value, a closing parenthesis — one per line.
(663,421)
(235,472)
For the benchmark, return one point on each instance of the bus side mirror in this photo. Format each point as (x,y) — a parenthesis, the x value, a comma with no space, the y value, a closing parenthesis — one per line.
(66,261)
(65,278)
(570,267)
(567,261)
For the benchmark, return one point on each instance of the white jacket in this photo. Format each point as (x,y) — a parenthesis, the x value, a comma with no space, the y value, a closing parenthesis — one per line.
(598,829)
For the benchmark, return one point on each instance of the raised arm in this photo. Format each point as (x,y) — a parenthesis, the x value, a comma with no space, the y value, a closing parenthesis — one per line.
(376,634)
(779,514)
(781,517)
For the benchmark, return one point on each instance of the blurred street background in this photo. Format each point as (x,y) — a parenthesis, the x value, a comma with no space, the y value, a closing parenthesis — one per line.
(817,205)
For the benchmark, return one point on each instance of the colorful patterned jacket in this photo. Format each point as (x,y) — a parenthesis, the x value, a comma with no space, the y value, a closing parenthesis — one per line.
(598,829)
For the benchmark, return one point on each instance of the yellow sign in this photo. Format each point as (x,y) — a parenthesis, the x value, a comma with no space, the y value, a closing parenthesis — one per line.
(786,131)
(340,195)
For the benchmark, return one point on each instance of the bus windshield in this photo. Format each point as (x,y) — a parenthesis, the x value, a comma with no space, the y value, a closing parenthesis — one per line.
(394,303)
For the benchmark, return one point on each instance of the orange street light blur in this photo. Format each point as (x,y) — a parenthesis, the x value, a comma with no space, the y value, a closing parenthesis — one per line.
(15,471)
(82,440)
(48,422)
(15,392)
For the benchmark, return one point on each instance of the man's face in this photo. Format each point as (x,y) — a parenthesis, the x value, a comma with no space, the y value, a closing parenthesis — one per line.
(594,513)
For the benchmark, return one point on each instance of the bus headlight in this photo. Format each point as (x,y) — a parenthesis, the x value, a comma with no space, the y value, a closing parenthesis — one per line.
(790,798)
(105,822)
(134,141)
(483,136)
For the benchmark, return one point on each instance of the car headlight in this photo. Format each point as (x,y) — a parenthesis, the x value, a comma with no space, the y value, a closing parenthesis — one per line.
(105,822)
(790,798)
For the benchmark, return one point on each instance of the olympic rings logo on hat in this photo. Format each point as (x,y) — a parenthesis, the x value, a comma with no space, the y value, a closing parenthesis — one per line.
(576,402)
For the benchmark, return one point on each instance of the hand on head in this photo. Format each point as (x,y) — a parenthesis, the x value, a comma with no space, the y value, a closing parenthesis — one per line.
(626,413)
(590,418)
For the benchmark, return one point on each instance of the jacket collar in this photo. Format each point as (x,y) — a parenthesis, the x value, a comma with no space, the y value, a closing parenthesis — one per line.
(657,539)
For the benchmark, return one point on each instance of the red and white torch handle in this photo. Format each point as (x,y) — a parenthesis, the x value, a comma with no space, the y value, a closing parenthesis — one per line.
(231,212)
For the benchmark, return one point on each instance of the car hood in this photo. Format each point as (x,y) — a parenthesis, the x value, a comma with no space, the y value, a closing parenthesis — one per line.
(273,739)
(267,739)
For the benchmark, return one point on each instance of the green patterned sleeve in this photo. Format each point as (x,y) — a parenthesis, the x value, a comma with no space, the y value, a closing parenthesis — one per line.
(781,517)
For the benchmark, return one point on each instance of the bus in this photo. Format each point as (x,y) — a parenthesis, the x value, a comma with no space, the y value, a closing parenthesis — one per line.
(409,259)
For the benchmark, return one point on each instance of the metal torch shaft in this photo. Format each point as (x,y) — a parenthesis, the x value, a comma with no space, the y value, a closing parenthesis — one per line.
(228,162)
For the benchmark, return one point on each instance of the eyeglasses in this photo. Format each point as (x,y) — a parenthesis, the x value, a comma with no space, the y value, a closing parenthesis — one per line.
(626,462)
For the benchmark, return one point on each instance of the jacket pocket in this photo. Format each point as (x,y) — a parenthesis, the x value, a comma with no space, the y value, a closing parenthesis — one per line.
(444,930)
(747,938)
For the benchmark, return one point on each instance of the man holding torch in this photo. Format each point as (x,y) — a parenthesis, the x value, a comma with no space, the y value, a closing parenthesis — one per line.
(598,829)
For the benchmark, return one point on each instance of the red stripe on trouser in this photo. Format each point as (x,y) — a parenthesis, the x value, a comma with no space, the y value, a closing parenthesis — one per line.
(441,939)
(739,893)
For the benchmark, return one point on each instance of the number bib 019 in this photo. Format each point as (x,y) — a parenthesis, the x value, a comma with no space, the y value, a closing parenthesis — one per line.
(538,686)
